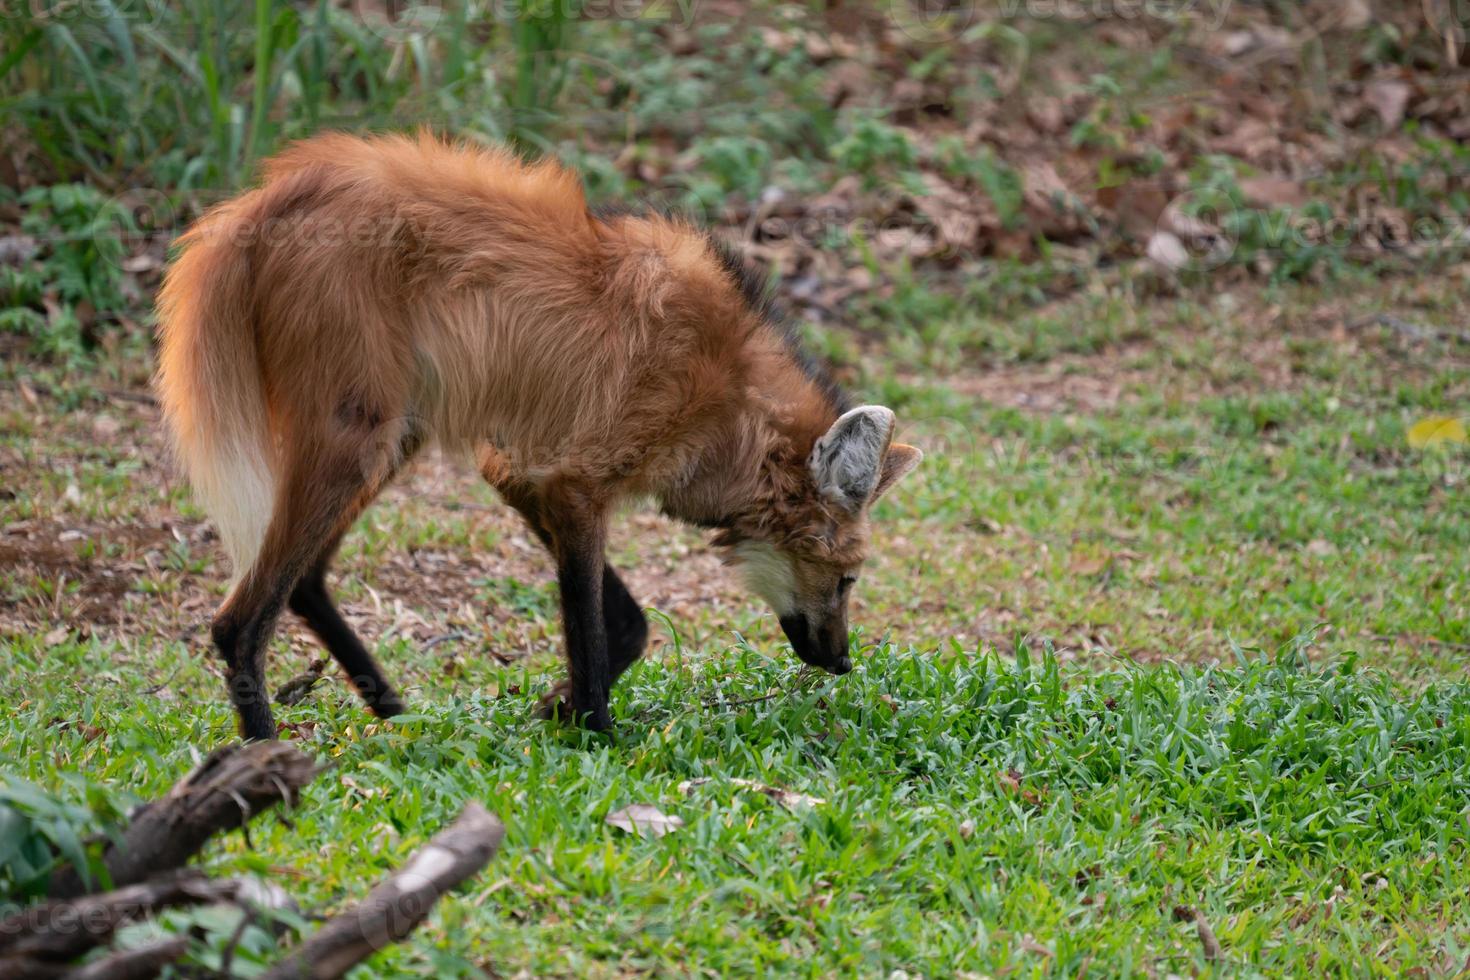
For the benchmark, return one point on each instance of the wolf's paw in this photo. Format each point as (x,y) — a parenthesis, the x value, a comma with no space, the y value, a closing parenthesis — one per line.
(387,704)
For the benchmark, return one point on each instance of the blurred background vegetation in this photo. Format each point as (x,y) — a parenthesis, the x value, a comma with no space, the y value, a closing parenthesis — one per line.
(906,171)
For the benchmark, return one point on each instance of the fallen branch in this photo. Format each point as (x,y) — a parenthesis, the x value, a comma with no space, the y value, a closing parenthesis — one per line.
(718,702)
(138,397)
(434,641)
(798,684)
(297,688)
(138,963)
(398,903)
(232,785)
(40,941)
(44,941)
(1212,948)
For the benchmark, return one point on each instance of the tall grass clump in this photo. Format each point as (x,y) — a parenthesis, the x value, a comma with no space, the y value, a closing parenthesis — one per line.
(189,95)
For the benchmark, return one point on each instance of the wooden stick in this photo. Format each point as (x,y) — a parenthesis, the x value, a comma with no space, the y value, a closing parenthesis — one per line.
(1214,953)
(398,903)
(232,785)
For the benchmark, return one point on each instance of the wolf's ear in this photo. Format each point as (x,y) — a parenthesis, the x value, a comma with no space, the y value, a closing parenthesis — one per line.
(896,463)
(847,462)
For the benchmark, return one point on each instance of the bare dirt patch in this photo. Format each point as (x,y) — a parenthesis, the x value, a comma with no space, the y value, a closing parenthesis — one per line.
(1244,343)
(144,572)
(1066,384)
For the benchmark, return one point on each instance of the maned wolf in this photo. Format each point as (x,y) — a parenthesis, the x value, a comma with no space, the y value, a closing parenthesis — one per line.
(374,295)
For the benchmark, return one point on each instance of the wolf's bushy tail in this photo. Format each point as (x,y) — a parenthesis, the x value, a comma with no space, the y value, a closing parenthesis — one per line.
(210,385)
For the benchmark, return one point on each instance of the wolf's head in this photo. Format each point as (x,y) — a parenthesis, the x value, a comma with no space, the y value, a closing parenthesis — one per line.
(804,557)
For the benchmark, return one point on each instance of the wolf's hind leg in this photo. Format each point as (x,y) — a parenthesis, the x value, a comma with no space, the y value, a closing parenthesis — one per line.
(313,603)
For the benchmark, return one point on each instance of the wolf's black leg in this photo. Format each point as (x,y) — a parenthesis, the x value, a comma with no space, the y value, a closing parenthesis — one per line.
(311,601)
(624,625)
(627,627)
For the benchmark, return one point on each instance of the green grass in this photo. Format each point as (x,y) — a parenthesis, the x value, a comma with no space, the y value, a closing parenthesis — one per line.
(981,813)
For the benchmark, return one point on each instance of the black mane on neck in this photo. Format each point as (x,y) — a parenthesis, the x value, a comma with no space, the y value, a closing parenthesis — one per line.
(756,289)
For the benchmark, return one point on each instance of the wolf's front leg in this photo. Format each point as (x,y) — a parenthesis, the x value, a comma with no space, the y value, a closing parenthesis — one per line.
(578,527)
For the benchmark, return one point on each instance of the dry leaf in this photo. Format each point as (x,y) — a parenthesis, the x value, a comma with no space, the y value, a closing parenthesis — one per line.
(1436,430)
(143,262)
(105,427)
(956,216)
(1177,220)
(1167,250)
(1030,945)
(790,799)
(57,636)
(1235,43)
(17,249)
(1046,114)
(1042,186)
(1262,40)
(1267,192)
(1389,98)
(644,820)
(1088,566)
(1138,205)
(1011,781)
(1353,15)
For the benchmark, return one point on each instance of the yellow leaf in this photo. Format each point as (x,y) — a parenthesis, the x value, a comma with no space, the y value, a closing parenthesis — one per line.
(1436,430)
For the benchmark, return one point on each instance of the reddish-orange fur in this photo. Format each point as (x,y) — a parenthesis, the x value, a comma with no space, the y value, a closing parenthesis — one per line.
(375,294)
(476,293)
